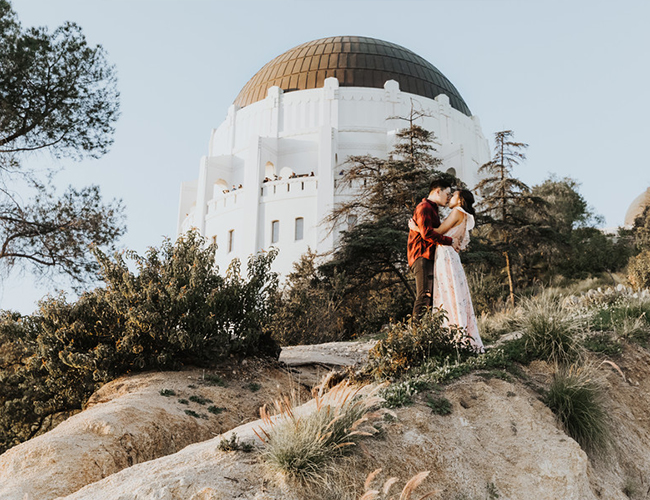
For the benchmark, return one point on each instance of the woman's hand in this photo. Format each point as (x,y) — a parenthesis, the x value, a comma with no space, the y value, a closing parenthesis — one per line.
(413,226)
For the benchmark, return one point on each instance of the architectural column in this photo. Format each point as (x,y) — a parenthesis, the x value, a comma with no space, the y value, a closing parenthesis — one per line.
(327,147)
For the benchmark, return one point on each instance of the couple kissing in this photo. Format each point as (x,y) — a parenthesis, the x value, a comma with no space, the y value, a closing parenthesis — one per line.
(433,258)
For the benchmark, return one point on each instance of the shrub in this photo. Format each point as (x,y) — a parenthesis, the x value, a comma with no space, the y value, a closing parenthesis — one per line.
(439,405)
(409,344)
(302,446)
(576,399)
(603,343)
(626,317)
(549,329)
(174,309)
(233,444)
(638,270)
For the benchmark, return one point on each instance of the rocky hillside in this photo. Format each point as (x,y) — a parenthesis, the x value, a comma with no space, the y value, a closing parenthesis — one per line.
(156,436)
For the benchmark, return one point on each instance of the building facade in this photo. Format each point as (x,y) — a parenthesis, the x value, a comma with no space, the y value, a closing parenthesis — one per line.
(272,169)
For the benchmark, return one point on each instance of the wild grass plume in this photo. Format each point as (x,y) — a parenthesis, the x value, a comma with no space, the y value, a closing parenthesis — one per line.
(301,445)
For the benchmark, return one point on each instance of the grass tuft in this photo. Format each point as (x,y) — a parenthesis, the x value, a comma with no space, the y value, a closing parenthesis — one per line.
(302,447)
(550,330)
(575,397)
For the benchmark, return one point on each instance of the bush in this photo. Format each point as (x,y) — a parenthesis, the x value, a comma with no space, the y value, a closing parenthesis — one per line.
(549,329)
(175,310)
(301,446)
(409,344)
(576,399)
(638,270)
(626,317)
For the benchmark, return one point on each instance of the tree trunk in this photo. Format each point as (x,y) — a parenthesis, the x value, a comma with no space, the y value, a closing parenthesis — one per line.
(510,285)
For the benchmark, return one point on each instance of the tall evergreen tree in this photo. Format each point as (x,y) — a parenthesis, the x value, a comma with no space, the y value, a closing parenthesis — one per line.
(58,95)
(513,218)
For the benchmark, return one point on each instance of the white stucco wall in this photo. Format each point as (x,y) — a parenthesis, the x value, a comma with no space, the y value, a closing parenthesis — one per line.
(305,132)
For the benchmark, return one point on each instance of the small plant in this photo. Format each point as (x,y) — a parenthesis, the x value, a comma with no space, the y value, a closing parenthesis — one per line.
(492,491)
(233,444)
(216,410)
(192,413)
(253,386)
(191,386)
(576,399)
(214,379)
(383,492)
(411,343)
(167,392)
(603,343)
(200,400)
(439,405)
(183,401)
(301,447)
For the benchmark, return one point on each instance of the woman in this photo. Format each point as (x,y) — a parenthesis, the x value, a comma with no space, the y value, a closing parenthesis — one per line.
(450,289)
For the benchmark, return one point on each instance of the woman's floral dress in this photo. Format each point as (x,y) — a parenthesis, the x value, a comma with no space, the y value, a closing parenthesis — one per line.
(450,289)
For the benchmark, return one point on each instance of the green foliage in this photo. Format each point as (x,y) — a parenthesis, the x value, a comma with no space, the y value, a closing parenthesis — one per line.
(57,94)
(603,343)
(216,410)
(627,318)
(200,399)
(253,386)
(550,330)
(409,344)
(439,405)
(576,399)
(183,401)
(233,444)
(194,414)
(513,219)
(638,270)
(167,392)
(214,379)
(173,310)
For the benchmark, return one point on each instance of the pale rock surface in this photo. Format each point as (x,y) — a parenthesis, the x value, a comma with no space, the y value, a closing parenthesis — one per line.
(499,436)
(128,422)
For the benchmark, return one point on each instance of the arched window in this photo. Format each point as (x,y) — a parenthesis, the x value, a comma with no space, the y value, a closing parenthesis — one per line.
(300,228)
(352,221)
(269,170)
(275,231)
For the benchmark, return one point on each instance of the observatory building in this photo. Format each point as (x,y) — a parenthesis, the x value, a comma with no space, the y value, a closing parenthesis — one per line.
(273,166)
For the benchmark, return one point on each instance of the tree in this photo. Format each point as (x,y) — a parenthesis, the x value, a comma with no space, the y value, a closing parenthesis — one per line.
(385,193)
(58,95)
(511,214)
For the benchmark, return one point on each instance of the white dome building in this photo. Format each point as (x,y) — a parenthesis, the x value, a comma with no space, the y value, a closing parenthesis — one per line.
(270,176)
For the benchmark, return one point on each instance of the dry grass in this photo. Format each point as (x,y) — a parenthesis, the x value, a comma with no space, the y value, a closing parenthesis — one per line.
(301,446)
(385,490)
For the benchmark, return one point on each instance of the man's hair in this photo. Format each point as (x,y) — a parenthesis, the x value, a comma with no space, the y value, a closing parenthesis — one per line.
(439,183)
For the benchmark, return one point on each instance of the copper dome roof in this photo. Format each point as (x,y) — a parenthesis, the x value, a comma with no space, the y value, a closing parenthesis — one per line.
(356,61)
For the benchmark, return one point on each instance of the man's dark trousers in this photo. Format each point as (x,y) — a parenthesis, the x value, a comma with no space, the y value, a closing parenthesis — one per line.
(423,270)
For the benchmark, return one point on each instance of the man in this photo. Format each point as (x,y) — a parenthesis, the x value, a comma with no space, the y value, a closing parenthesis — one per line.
(422,245)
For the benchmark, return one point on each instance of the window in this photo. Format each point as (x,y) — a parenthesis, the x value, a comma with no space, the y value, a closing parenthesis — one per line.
(300,228)
(275,231)
(231,240)
(352,221)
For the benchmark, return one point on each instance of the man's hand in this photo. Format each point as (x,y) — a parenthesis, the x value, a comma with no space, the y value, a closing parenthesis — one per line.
(455,244)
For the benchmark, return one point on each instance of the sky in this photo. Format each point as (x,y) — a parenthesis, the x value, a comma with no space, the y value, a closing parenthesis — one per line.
(570,77)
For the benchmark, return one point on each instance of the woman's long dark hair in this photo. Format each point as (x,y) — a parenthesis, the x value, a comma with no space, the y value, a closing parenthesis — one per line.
(467,201)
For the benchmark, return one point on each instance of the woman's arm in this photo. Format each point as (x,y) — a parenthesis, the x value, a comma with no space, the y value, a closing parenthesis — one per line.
(455,218)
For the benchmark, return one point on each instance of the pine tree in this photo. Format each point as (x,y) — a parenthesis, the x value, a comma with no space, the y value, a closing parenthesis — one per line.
(513,218)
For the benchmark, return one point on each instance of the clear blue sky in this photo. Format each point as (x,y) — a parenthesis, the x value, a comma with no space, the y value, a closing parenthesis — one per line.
(571,78)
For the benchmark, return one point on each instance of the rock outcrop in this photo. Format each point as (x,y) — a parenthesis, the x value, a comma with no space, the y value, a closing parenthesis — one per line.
(499,439)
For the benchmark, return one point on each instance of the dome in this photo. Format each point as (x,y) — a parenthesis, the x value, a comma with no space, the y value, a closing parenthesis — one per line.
(355,61)
(636,208)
